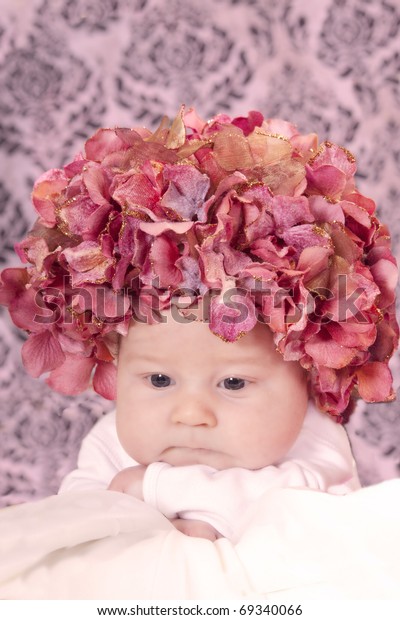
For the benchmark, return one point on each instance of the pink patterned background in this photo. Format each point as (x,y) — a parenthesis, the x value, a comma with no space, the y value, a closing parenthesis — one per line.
(70,66)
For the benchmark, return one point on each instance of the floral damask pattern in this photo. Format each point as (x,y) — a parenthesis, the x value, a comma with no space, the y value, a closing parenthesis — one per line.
(70,66)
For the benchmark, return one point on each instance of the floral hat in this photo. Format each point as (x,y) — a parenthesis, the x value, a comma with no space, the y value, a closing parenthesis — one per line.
(246,213)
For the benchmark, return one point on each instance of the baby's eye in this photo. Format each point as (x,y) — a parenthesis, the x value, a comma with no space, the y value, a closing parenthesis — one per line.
(160,381)
(233,383)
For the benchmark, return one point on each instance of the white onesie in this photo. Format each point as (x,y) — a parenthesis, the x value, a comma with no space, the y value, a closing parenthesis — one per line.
(320,459)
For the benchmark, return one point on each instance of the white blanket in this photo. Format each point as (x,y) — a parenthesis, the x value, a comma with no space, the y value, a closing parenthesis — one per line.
(295,543)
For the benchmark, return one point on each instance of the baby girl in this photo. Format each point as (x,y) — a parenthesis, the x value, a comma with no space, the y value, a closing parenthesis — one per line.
(204,428)
(263,228)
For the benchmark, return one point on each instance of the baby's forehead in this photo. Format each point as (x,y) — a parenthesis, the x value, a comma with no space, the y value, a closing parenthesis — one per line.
(176,335)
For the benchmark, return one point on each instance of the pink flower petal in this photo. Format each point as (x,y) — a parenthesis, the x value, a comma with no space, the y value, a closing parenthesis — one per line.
(97,183)
(83,217)
(88,263)
(103,142)
(13,281)
(162,258)
(375,382)
(386,276)
(28,310)
(193,120)
(212,268)
(133,190)
(326,180)
(325,211)
(186,191)
(314,261)
(326,352)
(306,235)
(232,314)
(385,343)
(102,301)
(46,192)
(353,334)
(73,376)
(289,211)
(247,124)
(41,352)
(105,380)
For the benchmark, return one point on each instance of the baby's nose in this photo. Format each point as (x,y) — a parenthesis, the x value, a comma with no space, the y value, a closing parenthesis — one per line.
(193,411)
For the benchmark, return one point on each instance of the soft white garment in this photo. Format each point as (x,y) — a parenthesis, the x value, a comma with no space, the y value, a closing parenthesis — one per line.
(320,459)
(297,544)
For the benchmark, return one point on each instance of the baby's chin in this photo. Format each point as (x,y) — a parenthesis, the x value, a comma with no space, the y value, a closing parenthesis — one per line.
(179,457)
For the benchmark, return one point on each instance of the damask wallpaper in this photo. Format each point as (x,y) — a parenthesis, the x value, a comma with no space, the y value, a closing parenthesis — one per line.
(70,66)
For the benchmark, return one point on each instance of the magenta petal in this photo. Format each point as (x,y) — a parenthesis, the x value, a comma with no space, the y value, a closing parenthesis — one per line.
(326,180)
(314,261)
(232,314)
(103,142)
(163,256)
(386,276)
(105,380)
(324,211)
(102,301)
(304,236)
(248,124)
(133,190)
(13,281)
(97,184)
(26,312)
(186,191)
(289,211)
(83,217)
(73,376)
(46,192)
(41,352)
(327,352)
(212,268)
(353,334)
(375,382)
(88,263)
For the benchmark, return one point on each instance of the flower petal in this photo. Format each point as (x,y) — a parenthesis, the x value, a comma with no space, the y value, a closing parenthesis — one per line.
(232,314)
(73,376)
(105,380)
(326,352)
(46,192)
(41,352)
(289,211)
(186,191)
(375,382)
(88,263)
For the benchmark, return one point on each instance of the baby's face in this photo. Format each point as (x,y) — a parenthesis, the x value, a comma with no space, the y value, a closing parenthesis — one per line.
(185,397)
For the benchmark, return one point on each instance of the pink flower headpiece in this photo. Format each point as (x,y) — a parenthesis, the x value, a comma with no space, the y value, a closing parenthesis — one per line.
(248,212)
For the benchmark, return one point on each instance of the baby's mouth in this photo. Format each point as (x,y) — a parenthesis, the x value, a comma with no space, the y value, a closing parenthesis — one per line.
(180,454)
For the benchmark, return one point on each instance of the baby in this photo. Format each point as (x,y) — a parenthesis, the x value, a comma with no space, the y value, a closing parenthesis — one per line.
(204,428)
(267,230)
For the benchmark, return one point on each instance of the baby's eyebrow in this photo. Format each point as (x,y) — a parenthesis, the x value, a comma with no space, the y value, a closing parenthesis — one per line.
(150,359)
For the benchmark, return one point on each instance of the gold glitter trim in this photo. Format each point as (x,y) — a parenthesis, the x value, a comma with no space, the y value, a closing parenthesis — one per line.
(131,212)
(240,335)
(331,200)
(349,155)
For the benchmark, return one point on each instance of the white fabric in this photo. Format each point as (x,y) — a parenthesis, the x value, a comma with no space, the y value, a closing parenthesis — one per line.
(296,544)
(320,459)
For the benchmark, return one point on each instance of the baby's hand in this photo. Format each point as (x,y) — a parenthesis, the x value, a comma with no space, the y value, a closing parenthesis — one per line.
(198,529)
(130,481)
